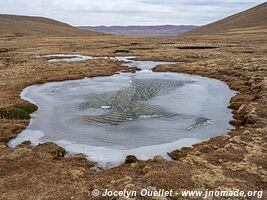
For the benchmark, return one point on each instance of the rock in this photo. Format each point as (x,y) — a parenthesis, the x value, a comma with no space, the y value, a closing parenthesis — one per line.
(130,159)
(158,158)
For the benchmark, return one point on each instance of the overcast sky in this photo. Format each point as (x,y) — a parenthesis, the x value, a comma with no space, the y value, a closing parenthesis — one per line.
(128,12)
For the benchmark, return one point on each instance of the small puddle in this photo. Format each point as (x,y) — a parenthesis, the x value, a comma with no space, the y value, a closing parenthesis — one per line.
(67,58)
(141,114)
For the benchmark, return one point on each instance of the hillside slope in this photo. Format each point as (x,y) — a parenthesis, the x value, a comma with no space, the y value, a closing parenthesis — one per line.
(254,19)
(14,24)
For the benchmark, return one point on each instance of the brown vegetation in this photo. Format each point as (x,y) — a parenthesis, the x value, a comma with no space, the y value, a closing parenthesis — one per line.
(25,25)
(249,20)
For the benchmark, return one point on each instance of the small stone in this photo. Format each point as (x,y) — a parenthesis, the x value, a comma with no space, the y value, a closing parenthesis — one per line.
(130,159)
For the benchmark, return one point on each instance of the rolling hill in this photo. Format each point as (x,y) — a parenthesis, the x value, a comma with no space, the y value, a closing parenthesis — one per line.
(26,25)
(254,19)
(165,30)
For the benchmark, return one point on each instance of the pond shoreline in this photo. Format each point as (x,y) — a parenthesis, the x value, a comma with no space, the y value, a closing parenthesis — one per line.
(179,153)
(145,65)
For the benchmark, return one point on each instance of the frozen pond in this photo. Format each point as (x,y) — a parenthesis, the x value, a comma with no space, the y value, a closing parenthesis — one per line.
(141,114)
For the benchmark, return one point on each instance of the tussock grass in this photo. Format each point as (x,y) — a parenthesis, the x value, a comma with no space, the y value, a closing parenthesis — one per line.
(18,111)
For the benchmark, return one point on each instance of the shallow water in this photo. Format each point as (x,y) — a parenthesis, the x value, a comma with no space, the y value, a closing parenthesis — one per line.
(143,114)
(67,58)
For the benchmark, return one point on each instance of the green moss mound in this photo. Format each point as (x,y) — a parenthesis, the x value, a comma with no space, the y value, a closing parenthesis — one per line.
(18,111)
(27,107)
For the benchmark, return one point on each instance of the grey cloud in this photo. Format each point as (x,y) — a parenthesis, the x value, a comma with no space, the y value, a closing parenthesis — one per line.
(128,12)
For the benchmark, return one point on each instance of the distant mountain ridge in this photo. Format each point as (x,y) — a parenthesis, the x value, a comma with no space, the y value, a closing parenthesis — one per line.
(28,25)
(253,19)
(161,30)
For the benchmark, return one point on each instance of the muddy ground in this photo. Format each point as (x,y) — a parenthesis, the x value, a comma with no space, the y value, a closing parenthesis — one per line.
(235,160)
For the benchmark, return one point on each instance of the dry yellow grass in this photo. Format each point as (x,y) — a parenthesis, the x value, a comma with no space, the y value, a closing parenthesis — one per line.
(237,159)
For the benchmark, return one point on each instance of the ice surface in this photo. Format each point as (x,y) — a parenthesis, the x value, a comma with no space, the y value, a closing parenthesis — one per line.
(141,114)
